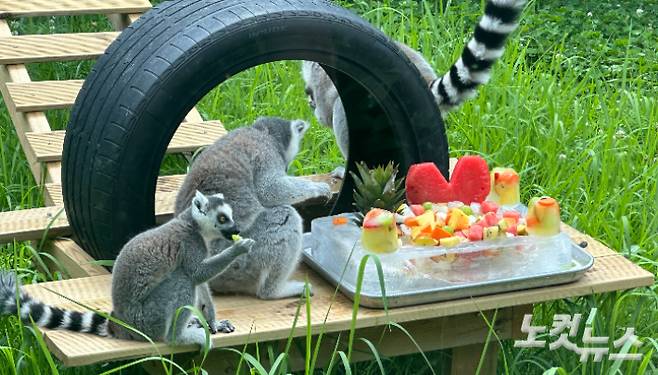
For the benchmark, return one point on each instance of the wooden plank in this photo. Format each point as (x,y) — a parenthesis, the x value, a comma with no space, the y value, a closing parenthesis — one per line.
(188,137)
(23,123)
(30,224)
(43,95)
(19,8)
(261,321)
(466,359)
(165,186)
(72,261)
(430,334)
(24,49)
(46,95)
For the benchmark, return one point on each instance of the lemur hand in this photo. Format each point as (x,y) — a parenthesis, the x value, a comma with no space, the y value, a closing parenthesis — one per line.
(321,189)
(243,246)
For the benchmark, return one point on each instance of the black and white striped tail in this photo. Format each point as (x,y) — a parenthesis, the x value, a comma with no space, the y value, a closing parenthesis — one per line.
(474,66)
(44,315)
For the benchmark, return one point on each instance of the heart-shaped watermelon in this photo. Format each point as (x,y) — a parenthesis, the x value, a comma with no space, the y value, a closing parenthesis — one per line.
(470,182)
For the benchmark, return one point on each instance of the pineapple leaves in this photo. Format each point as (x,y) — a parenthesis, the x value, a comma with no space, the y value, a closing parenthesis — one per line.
(377,188)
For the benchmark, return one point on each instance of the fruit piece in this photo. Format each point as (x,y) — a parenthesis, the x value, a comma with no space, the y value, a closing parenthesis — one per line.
(425,183)
(467,210)
(417,209)
(411,222)
(470,179)
(490,233)
(490,219)
(470,182)
(489,206)
(461,234)
(449,229)
(512,229)
(450,241)
(339,220)
(521,230)
(377,188)
(514,215)
(504,186)
(236,237)
(476,232)
(426,219)
(379,233)
(457,219)
(503,225)
(439,233)
(543,218)
(425,240)
(427,206)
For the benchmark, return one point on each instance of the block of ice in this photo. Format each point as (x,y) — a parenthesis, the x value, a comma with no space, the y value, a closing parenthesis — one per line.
(415,268)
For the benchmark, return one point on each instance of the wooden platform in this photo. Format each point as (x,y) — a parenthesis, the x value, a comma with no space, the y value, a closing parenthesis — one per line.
(441,325)
(261,321)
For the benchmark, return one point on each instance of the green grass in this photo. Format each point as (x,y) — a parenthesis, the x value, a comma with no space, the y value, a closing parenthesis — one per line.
(572,106)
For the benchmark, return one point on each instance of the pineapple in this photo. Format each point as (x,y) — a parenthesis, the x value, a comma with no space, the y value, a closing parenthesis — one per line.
(377,188)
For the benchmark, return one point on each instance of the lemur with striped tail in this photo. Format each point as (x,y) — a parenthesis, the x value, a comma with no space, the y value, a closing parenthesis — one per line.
(450,90)
(156,273)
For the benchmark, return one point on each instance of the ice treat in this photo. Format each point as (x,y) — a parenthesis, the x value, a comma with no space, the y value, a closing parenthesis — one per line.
(379,233)
(543,218)
(504,187)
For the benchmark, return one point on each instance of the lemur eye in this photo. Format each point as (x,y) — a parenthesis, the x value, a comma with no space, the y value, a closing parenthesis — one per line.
(222,218)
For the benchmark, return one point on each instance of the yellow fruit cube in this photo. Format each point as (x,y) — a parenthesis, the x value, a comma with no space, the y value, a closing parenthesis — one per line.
(450,241)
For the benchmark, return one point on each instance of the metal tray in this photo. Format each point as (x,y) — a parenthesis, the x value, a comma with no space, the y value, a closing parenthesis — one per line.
(582,259)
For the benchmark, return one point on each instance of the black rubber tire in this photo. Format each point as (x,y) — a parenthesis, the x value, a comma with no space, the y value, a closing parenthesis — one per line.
(162,65)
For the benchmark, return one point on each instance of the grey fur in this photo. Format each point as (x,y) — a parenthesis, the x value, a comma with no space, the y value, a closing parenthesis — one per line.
(326,104)
(249,166)
(450,91)
(165,268)
(156,273)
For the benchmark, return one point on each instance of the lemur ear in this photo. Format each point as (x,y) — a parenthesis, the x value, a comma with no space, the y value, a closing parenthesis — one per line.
(300,126)
(200,201)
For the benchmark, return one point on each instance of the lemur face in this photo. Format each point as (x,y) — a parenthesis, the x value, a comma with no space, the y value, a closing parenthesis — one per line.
(297,130)
(213,214)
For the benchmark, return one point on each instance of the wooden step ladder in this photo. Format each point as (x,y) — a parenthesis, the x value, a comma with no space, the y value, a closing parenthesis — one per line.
(26,102)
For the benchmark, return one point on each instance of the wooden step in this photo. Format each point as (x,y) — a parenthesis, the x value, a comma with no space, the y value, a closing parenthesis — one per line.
(189,137)
(165,184)
(44,95)
(31,224)
(17,8)
(56,47)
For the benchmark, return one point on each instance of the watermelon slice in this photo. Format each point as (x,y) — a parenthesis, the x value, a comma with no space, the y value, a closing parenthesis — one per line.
(470,182)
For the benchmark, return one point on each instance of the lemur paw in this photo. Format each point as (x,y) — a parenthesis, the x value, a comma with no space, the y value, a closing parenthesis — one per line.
(338,172)
(224,326)
(244,245)
(322,189)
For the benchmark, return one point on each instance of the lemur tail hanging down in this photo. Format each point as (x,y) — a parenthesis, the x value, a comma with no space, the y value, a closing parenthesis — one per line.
(44,315)
(485,47)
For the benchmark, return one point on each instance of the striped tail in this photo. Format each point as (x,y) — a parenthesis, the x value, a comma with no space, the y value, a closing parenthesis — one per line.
(474,66)
(44,315)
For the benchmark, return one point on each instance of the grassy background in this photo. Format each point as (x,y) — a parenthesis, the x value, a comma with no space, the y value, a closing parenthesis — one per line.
(572,106)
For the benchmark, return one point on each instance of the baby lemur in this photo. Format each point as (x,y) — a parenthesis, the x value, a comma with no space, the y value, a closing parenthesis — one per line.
(156,273)
(450,91)
(249,166)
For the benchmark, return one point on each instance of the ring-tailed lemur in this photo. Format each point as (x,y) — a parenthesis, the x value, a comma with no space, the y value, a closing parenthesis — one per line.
(156,273)
(450,91)
(249,166)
